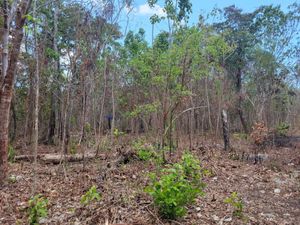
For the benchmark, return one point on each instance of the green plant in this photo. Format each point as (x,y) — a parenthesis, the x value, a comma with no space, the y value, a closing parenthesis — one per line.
(91,195)
(235,201)
(144,151)
(11,153)
(87,127)
(176,187)
(240,136)
(145,155)
(73,147)
(37,209)
(118,133)
(282,129)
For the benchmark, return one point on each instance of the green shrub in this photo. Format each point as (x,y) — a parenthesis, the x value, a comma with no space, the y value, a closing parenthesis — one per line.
(117,133)
(235,201)
(87,128)
(144,151)
(73,147)
(37,209)
(176,187)
(145,155)
(240,136)
(91,195)
(282,129)
(11,153)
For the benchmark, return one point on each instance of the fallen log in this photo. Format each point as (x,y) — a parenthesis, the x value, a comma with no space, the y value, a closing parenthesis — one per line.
(27,157)
(56,158)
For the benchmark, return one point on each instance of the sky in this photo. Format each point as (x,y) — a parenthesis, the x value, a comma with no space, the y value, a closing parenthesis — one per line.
(141,12)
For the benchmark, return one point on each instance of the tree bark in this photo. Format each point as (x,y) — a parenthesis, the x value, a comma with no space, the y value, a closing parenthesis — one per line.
(240,100)
(35,132)
(226,133)
(55,91)
(7,85)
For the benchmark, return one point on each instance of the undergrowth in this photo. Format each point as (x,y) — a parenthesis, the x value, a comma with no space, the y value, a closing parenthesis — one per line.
(37,209)
(176,186)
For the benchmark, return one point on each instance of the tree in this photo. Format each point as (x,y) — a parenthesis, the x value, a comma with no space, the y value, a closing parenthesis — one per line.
(14,19)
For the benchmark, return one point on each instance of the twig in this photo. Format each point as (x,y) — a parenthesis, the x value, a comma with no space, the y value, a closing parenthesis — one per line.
(160,222)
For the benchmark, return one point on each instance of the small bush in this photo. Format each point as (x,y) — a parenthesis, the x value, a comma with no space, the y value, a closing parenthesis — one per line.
(259,134)
(149,152)
(11,153)
(240,136)
(73,147)
(37,209)
(282,129)
(176,187)
(91,195)
(235,201)
(117,133)
(144,151)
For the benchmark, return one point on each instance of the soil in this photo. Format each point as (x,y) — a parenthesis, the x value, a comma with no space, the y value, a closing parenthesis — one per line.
(269,188)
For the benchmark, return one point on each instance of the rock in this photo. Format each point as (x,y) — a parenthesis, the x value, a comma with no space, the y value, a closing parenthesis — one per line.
(53,193)
(199,215)
(43,221)
(22,205)
(279,181)
(133,176)
(267,215)
(227,219)
(262,191)
(277,191)
(215,218)
(198,209)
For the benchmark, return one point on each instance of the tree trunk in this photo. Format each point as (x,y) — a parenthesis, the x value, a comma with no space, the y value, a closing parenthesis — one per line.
(55,92)
(225,130)
(35,133)
(240,99)
(7,84)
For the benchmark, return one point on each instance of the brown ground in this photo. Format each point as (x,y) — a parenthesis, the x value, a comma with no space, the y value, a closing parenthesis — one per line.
(270,189)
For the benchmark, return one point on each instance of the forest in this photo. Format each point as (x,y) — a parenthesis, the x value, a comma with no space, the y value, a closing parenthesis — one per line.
(105,122)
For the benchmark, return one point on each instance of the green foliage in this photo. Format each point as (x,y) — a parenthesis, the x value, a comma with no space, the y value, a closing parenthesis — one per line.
(176,187)
(50,53)
(37,209)
(118,133)
(145,155)
(87,127)
(11,153)
(144,151)
(73,147)
(148,152)
(91,195)
(282,129)
(240,136)
(235,201)
(144,109)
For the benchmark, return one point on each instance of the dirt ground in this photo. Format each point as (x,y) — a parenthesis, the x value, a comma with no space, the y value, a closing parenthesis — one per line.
(270,189)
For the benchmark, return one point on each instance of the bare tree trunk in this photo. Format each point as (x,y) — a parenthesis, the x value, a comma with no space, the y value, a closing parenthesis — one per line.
(5,35)
(36,103)
(55,91)
(240,99)
(30,110)
(98,139)
(208,104)
(225,130)
(14,118)
(7,83)
(113,108)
